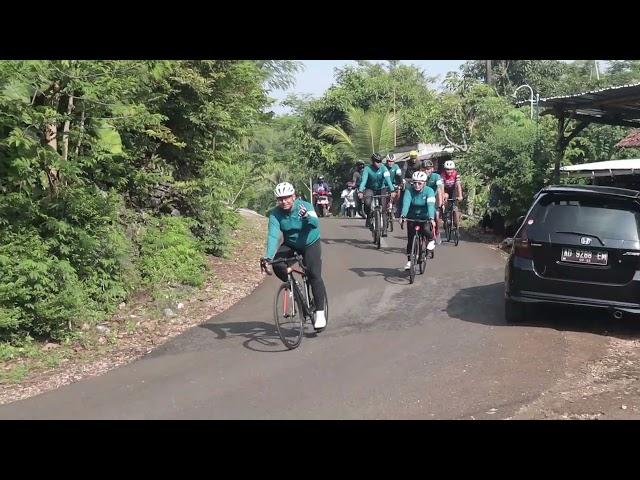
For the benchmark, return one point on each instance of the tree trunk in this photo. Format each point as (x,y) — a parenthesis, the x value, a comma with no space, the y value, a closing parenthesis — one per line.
(489,73)
(65,129)
(82,117)
(51,136)
(471,197)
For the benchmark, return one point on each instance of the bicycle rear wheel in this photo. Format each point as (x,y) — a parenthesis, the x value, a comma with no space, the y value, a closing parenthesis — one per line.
(288,316)
(390,220)
(377,228)
(456,237)
(415,255)
(447,226)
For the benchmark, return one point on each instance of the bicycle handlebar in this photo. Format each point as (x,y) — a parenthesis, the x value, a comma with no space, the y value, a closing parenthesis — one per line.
(416,220)
(297,258)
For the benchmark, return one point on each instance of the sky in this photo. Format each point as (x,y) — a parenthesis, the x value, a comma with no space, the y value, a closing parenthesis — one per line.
(317,76)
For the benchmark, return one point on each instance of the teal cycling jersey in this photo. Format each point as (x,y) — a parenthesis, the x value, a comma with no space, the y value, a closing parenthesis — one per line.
(396,174)
(420,204)
(435,181)
(375,179)
(298,232)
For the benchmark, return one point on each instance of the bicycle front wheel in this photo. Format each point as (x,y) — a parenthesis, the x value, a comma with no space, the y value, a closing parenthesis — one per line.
(422,262)
(415,256)
(447,227)
(456,237)
(288,316)
(377,228)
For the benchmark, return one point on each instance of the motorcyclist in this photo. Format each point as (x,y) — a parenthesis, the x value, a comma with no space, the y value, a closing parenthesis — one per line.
(322,188)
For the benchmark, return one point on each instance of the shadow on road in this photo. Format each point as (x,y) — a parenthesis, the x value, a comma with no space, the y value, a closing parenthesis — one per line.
(260,336)
(364,244)
(391,275)
(484,304)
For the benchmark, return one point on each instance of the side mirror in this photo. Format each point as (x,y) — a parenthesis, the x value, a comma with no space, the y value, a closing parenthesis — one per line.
(519,220)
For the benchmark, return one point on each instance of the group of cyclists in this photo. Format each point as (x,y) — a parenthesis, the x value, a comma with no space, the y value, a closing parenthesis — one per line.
(416,192)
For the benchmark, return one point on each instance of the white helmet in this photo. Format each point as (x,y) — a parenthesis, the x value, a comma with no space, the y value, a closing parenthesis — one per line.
(419,176)
(449,164)
(284,189)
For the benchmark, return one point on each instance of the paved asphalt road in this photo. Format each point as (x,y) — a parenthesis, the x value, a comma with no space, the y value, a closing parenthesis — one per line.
(437,349)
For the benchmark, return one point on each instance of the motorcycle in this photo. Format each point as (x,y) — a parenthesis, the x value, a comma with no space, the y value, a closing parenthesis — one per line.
(349,206)
(322,202)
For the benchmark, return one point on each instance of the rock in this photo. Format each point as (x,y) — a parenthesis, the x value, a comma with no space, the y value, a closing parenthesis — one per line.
(102,329)
(85,326)
(180,305)
(624,407)
(102,340)
(122,305)
(50,346)
(168,312)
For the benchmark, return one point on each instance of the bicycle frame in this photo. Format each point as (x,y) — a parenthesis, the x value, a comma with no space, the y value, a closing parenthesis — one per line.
(306,304)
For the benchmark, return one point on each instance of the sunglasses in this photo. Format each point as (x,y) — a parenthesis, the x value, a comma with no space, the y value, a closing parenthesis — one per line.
(282,199)
(418,183)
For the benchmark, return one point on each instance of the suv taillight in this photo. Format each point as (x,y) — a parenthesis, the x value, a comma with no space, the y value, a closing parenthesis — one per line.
(521,246)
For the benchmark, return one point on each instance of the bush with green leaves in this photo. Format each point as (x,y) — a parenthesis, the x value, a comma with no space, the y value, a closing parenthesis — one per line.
(39,292)
(170,254)
(510,163)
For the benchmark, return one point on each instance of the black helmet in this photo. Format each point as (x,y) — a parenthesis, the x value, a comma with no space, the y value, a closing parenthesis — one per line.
(360,162)
(427,163)
(376,157)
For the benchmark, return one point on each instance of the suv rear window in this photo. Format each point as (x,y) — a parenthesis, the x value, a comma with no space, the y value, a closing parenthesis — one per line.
(615,219)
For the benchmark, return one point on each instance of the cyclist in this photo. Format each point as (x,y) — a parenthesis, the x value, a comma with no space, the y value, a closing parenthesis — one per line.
(419,201)
(373,181)
(357,175)
(396,178)
(299,225)
(452,186)
(411,166)
(434,180)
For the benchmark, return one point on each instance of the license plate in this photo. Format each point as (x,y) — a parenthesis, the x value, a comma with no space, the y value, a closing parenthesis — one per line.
(589,257)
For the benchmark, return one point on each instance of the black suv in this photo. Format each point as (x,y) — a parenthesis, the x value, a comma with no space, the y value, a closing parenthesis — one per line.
(577,245)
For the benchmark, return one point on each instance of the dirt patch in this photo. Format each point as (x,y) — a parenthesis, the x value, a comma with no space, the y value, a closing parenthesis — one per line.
(606,388)
(142,324)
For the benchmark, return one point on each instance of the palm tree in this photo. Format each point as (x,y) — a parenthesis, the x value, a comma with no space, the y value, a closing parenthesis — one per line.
(368,132)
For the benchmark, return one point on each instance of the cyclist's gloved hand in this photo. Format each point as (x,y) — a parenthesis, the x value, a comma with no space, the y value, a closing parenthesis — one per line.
(360,195)
(302,212)
(263,264)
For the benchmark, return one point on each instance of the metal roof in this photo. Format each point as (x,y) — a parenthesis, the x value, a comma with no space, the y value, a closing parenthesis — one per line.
(612,106)
(609,168)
